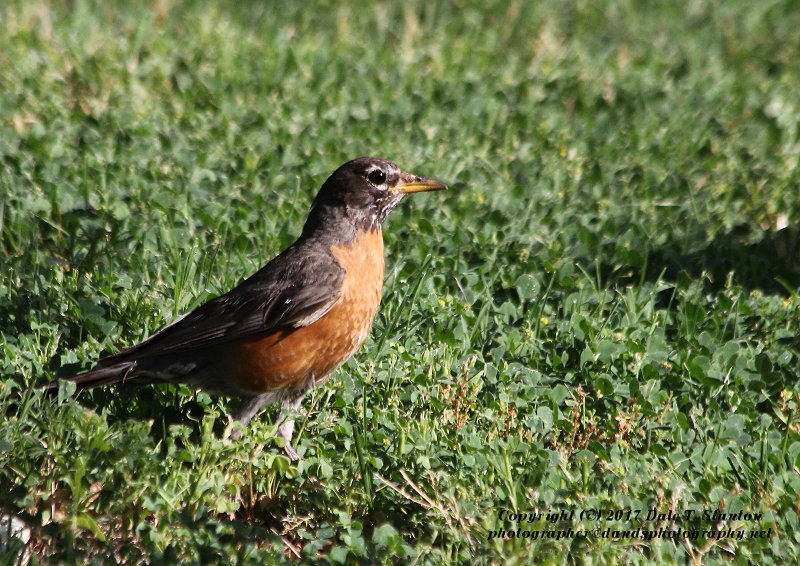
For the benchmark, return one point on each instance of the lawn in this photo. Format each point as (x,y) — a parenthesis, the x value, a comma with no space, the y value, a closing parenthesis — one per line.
(588,347)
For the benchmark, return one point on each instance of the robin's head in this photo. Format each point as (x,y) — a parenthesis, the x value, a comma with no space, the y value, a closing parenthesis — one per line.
(364,191)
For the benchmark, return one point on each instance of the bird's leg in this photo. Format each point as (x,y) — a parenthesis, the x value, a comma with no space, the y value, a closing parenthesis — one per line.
(246,410)
(286,427)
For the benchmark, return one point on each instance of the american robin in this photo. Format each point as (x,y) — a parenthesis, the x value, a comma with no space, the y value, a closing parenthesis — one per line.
(282,331)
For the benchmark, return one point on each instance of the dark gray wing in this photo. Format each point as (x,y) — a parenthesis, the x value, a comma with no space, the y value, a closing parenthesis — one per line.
(294,289)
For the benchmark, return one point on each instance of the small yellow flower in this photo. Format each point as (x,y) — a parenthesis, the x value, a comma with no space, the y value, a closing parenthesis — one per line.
(544,320)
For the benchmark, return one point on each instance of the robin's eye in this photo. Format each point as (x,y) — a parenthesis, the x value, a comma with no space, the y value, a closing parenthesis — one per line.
(376,177)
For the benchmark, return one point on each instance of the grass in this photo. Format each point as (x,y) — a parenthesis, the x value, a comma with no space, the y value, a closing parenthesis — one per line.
(602,314)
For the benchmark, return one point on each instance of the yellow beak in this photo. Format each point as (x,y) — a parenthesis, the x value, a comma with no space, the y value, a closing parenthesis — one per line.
(414,184)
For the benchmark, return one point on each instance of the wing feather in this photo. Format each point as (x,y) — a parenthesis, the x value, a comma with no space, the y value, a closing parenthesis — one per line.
(295,289)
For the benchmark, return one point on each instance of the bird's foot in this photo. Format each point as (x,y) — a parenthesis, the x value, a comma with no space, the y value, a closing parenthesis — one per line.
(291,452)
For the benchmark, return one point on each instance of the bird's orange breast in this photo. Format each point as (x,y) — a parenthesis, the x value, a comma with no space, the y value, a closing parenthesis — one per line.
(290,357)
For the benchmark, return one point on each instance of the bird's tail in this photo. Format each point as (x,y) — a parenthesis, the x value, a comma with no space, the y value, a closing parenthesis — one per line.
(115,373)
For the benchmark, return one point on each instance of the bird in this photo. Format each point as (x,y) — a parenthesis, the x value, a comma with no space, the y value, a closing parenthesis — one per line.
(282,331)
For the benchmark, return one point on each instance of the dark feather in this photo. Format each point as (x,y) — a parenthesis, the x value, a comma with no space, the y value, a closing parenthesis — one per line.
(97,377)
(296,288)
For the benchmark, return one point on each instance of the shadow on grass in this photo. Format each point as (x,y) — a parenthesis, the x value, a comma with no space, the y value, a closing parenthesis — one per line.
(755,259)
(764,260)
(163,404)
